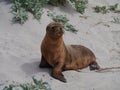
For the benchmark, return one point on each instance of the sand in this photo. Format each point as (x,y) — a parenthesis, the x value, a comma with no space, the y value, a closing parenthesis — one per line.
(20,47)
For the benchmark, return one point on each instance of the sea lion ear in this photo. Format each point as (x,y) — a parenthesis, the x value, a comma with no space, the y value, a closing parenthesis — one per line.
(49,26)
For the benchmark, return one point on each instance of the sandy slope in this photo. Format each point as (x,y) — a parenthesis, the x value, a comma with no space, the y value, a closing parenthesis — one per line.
(20,54)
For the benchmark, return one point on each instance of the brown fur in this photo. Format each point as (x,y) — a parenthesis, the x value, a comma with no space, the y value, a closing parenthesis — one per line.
(60,57)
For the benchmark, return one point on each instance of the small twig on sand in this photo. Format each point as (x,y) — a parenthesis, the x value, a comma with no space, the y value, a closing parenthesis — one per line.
(85,17)
(107,69)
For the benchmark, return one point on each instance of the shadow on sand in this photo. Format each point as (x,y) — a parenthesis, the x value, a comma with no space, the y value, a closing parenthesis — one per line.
(33,68)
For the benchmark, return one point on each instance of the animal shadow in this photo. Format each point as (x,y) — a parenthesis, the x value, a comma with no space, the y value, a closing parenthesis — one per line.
(33,68)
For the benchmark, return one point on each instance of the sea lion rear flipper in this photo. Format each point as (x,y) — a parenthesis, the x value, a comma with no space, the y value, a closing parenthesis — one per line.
(44,63)
(94,66)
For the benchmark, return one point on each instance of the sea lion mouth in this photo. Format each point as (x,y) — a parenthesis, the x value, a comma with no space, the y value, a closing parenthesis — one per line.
(60,33)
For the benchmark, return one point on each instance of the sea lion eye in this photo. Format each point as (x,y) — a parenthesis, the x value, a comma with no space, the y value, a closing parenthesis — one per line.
(60,28)
(53,28)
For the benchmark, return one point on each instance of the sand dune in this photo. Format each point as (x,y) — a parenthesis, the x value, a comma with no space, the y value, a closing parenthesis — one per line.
(20,54)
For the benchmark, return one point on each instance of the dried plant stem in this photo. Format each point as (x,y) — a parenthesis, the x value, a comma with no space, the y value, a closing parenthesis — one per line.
(106,69)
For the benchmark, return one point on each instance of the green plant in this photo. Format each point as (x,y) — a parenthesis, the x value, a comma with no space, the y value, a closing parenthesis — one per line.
(57,2)
(21,8)
(99,9)
(63,20)
(69,27)
(20,15)
(104,9)
(116,20)
(113,7)
(80,5)
(36,85)
(58,18)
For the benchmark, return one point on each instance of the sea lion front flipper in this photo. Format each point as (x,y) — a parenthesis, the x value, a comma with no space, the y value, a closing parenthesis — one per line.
(58,76)
(57,73)
(44,63)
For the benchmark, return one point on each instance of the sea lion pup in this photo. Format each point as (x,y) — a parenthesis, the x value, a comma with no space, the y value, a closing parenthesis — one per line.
(60,57)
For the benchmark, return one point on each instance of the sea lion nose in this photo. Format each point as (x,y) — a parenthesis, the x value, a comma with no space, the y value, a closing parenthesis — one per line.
(60,29)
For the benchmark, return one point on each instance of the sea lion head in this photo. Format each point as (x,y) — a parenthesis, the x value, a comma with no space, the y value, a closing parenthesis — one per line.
(55,30)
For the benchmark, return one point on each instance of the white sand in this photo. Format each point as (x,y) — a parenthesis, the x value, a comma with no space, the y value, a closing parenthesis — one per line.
(20,54)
